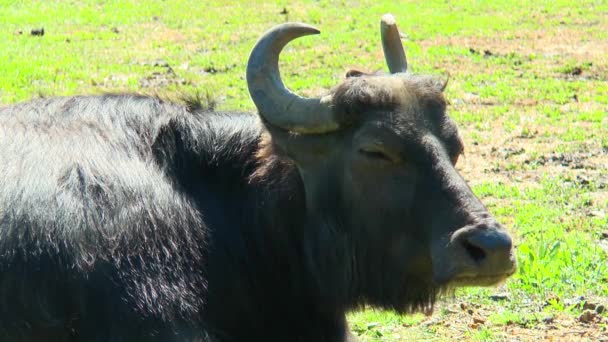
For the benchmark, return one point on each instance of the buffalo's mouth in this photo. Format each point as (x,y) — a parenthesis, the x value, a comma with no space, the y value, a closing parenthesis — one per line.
(473,257)
(480,279)
(472,274)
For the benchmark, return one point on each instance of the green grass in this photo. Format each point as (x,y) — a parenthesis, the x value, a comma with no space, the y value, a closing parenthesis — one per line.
(379,325)
(524,94)
(558,254)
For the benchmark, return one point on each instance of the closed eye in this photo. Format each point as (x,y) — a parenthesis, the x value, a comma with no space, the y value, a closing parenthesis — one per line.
(375,154)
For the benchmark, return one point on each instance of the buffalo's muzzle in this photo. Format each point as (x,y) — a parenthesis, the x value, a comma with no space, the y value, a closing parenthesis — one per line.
(481,254)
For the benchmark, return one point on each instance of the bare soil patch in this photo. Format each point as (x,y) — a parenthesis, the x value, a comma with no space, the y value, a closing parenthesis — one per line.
(563,41)
(462,320)
(567,52)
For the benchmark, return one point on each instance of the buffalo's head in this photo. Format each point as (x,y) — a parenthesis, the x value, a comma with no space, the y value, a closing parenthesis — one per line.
(377,158)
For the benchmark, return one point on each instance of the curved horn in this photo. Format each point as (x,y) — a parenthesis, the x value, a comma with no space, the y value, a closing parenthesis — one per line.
(391,44)
(275,103)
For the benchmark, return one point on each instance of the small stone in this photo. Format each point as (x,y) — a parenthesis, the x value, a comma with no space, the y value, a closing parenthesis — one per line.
(587,316)
(576,71)
(597,213)
(499,297)
(463,306)
(589,306)
(37,32)
(478,320)
(600,309)
(470,311)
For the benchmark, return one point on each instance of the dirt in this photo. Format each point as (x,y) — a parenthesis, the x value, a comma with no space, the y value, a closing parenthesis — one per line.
(560,41)
(462,320)
(565,52)
(162,76)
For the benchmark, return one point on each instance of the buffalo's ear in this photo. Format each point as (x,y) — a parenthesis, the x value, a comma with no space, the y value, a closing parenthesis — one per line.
(434,83)
(355,73)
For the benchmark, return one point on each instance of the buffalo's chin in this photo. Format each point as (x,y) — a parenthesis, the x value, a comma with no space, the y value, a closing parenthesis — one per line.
(423,303)
(480,280)
(418,294)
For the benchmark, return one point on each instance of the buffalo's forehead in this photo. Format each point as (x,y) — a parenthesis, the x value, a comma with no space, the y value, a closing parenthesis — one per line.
(409,105)
(409,96)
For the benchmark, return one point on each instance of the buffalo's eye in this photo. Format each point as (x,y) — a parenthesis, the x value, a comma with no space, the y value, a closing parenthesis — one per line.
(376,155)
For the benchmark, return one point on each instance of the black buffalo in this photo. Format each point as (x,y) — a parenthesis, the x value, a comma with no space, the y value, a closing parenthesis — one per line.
(130,218)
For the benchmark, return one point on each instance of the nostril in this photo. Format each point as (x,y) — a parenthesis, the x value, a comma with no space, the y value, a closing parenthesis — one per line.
(481,251)
(476,253)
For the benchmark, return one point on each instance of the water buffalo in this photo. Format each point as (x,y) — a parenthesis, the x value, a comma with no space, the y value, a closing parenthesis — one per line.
(130,218)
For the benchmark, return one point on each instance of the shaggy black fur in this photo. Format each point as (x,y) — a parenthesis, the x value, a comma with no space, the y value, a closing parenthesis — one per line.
(107,206)
(127,218)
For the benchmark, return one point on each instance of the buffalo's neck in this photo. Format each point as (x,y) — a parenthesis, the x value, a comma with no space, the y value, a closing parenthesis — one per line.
(267,256)
(284,268)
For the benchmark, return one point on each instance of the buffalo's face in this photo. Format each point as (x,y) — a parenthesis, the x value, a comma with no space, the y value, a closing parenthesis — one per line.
(415,216)
(377,158)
